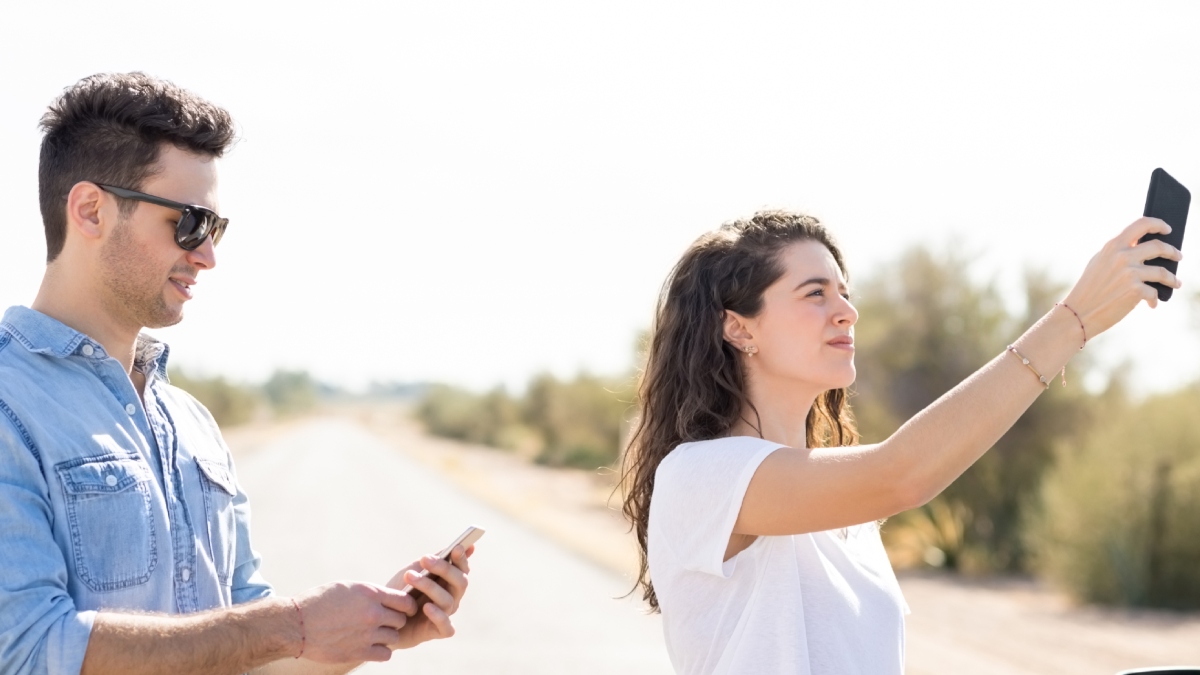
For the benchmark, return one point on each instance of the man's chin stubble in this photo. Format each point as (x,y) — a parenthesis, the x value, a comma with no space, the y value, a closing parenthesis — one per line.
(163,318)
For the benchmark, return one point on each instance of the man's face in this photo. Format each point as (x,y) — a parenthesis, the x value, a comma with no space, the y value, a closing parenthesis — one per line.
(146,275)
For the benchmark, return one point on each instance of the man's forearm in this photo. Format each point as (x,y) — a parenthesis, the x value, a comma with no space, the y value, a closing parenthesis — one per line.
(232,640)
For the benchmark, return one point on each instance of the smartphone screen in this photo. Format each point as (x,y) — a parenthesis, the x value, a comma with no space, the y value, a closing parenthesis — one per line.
(1168,201)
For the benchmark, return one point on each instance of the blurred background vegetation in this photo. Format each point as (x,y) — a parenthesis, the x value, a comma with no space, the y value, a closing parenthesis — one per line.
(286,393)
(1091,489)
(577,423)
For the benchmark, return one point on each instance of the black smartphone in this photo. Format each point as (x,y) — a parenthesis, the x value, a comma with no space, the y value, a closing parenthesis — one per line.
(1166,200)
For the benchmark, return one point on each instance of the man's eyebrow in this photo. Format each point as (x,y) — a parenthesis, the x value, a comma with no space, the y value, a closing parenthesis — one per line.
(823,281)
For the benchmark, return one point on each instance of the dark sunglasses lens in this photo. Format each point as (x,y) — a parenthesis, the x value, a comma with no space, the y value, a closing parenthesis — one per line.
(193,227)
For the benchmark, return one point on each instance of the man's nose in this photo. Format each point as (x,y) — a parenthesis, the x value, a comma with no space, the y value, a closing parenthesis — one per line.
(205,255)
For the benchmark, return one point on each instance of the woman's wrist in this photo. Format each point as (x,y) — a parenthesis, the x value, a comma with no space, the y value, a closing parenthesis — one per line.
(1050,343)
(1082,327)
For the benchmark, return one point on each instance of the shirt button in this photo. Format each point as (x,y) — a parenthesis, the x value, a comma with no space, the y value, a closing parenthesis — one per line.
(130,408)
(87,350)
(186,574)
(110,480)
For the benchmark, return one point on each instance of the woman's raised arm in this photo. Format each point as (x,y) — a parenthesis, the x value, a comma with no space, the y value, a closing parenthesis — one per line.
(798,490)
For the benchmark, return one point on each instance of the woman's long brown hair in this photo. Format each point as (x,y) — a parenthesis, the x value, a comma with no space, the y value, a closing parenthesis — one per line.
(693,386)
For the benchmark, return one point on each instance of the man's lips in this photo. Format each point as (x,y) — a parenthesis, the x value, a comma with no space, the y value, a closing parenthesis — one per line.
(184,285)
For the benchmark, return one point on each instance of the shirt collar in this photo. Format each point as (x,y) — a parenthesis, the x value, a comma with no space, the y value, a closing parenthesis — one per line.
(42,334)
(150,356)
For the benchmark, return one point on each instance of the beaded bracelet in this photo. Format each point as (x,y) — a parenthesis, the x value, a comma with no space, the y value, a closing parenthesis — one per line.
(1041,378)
(1063,304)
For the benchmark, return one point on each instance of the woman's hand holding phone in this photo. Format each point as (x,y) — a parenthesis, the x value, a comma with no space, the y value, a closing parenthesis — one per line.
(1115,279)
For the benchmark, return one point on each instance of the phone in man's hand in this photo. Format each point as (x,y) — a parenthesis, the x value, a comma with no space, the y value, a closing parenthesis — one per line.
(1168,201)
(466,539)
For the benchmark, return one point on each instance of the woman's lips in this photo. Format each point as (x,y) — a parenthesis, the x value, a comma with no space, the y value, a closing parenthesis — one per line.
(845,342)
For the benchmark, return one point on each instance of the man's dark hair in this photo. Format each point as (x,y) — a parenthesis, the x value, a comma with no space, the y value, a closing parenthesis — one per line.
(109,128)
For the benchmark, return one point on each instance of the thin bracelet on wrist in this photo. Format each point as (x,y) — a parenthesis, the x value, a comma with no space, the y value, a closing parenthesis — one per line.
(303,636)
(1041,378)
(1063,304)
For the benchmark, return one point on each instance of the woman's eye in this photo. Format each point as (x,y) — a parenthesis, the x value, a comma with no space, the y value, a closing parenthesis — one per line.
(820,293)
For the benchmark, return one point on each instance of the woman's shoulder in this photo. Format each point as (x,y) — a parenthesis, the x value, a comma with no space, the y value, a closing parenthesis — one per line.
(727,444)
(721,453)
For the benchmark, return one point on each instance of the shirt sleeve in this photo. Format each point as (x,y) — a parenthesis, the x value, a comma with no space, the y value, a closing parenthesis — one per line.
(698,491)
(248,581)
(40,630)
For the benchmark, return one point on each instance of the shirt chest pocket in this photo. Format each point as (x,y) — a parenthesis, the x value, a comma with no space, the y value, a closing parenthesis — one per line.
(109,513)
(219,488)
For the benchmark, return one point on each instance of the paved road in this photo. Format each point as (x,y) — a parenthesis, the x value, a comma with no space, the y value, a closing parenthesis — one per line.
(332,501)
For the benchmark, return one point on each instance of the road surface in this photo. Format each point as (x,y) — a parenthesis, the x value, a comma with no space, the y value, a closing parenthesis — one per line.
(333,501)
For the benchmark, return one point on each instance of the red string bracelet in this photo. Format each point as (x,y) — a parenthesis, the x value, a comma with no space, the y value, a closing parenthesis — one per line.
(302,633)
(1063,304)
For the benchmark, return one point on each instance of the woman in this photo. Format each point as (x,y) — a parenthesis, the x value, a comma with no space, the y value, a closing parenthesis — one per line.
(755,511)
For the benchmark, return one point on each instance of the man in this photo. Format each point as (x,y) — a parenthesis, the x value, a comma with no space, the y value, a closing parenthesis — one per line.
(126,542)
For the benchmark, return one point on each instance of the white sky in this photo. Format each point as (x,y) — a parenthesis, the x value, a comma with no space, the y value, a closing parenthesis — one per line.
(475,192)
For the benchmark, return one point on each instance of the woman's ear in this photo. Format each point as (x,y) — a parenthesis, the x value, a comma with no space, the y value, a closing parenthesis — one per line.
(737,330)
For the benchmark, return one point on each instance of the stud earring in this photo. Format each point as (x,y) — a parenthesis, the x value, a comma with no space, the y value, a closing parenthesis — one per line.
(750,350)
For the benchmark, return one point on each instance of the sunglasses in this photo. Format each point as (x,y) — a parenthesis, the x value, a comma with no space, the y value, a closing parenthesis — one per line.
(196,223)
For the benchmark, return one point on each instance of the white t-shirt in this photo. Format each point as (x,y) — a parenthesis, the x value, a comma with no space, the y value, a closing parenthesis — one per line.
(808,604)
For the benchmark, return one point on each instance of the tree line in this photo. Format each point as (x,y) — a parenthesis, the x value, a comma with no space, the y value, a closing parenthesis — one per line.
(284,393)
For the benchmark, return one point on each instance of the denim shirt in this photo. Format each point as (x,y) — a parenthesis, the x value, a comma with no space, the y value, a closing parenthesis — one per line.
(106,502)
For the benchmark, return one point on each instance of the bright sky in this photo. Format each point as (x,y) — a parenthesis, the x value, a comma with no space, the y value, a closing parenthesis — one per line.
(476,192)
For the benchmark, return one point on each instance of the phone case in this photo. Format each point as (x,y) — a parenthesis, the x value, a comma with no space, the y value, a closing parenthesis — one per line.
(1167,200)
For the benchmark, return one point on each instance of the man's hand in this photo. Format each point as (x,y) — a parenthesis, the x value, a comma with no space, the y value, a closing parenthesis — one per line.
(346,622)
(431,621)
(342,618)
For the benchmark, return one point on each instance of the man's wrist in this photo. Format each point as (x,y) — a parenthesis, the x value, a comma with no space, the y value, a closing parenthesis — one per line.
(276,627)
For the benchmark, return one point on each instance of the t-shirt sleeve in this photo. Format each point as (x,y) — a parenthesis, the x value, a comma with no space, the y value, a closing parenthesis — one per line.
(698,491)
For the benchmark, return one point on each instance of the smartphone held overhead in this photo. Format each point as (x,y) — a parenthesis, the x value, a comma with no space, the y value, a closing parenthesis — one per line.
(1168,201)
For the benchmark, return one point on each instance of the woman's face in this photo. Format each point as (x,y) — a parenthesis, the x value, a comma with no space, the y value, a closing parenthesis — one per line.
(805,331)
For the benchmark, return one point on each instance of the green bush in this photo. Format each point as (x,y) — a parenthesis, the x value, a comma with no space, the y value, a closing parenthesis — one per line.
(457,413)
(582,422)
(578,423)
(1120,516)
(291,392)
(230,404)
